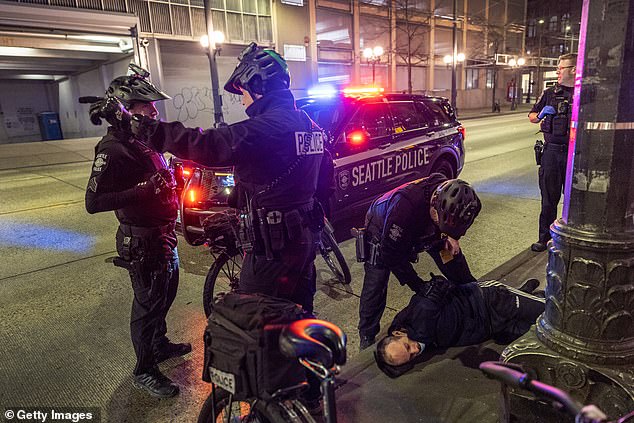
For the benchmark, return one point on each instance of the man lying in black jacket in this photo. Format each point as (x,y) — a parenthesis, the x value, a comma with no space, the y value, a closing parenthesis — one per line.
(450,315)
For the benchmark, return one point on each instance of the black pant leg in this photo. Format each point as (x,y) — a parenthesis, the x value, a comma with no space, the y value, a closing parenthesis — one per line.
(551,182)
(373,299)
(171,288)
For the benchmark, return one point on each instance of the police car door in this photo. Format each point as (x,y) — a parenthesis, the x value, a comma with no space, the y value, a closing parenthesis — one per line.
(361,172)
(411,147)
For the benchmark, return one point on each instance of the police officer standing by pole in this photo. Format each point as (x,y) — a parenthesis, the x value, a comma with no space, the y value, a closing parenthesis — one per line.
(429,214)
(276,155)
(132,179)
(553,111)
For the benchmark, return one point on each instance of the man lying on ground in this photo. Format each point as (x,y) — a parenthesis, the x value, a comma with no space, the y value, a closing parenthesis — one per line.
(451,315)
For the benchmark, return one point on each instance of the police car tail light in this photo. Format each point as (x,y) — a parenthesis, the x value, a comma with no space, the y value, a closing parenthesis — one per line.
(191,195)
(187,172)
(358,137)
(462,131)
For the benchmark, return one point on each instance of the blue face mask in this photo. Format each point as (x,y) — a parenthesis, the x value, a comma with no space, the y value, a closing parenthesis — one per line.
(422,347)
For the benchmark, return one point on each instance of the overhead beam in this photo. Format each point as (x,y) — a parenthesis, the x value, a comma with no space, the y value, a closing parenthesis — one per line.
(39,53)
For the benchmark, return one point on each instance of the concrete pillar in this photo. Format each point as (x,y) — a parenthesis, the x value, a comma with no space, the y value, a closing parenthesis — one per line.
(356,43)
(431,66)
(584,341)
(392,48)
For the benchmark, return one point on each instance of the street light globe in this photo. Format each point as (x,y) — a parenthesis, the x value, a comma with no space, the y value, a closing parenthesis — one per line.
(460,57)
(521,61)
(447,59)
(367,53)
(568,28)
(378,51)
(541,21)
(512,62)
(204,41)
(218,37)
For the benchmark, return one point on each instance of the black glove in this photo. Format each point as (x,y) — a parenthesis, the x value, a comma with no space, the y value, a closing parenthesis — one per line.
(161,182)
(112,111)
(439,289)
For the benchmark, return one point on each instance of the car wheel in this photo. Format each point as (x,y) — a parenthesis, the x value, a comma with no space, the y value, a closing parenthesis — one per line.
(444,166)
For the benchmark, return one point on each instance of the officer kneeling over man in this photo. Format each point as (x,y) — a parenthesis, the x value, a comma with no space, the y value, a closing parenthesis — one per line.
(447,314)
(132,179)
(429,214)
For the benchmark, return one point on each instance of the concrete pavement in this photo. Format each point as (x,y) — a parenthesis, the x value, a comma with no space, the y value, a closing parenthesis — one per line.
(447,387)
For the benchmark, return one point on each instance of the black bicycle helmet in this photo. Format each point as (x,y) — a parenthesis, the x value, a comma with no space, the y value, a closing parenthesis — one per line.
(457,205)
(259,71)
(135,87)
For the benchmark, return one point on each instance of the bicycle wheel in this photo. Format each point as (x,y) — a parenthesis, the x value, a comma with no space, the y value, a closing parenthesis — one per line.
(331,253)
(225,269)
(252,411)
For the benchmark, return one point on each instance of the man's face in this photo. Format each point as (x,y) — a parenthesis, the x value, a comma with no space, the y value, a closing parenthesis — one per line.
(145,109)
(401,350)
(566,72)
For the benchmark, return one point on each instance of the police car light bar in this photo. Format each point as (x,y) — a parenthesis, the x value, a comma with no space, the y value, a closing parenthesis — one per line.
(322,91)
(354,91)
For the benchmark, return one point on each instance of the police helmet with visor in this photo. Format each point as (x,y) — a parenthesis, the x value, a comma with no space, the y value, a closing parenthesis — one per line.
(135,88)
(259,71)
(457,206)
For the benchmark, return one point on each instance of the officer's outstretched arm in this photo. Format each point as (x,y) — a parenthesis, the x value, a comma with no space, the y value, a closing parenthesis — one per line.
(211,147)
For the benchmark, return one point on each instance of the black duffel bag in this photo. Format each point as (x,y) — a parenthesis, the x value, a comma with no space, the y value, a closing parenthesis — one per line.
(240,356)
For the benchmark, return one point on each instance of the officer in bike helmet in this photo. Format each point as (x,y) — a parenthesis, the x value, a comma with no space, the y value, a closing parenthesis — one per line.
(133,180)
(429,214)
(276,154)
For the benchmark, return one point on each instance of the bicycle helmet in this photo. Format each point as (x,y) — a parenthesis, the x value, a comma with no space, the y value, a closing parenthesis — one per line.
(259,71)
(135,87)
(457,205)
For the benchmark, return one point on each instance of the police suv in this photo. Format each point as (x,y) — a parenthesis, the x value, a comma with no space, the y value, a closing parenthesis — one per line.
(378,141)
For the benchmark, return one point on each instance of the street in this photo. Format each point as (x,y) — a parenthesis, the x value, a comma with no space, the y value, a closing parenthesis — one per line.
(65,307)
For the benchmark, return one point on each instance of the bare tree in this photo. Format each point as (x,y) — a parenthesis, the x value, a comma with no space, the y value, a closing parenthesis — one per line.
(412,30)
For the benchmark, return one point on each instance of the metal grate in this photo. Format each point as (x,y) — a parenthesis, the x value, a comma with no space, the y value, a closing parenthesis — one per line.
(89,4)
(160,14)
(65,3)
(140,9)
(114,5)
(180,20)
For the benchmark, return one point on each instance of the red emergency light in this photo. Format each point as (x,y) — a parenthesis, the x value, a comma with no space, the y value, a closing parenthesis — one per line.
(462,131)
(358,137)
(191,194)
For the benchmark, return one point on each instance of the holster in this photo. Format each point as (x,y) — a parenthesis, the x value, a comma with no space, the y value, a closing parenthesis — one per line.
(362,248)
(539,151)
(139,246)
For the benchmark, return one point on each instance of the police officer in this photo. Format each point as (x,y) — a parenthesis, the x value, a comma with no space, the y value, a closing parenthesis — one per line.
(132,179)
(276,155)
(553,111)
(429,214)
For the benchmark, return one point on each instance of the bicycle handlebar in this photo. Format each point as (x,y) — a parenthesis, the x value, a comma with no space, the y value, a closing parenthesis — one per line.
(521,380)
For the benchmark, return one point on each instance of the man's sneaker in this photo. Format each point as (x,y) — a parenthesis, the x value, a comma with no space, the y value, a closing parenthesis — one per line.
(171,350)
(539,246)
(156,384)
(529,286)
(365,342)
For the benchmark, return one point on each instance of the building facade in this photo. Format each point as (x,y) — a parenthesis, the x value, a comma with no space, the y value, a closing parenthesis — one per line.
(322,40)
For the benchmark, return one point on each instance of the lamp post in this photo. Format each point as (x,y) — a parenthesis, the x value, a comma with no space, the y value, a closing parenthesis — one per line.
(454,54)
(373,55)
(212,42)
(453,61)
(517,65)
(539,58)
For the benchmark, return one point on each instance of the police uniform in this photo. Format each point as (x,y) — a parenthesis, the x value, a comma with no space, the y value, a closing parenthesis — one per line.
(276,156)
(146,240)
(399,224)
(552,170)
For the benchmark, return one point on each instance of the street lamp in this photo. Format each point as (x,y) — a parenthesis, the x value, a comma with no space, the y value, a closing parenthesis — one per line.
(373,55)
(517,65)
(453,60)
(212,42)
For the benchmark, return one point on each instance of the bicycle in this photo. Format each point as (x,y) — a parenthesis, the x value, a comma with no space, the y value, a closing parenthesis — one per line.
(221,231)
(514,376)
(320,347)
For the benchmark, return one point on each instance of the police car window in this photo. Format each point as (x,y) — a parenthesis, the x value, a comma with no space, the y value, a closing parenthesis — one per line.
(375,118)
(327,116)
(406,117)
(438,115)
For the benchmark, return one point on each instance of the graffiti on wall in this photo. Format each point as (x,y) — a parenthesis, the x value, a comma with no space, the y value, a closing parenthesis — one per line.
(192,101)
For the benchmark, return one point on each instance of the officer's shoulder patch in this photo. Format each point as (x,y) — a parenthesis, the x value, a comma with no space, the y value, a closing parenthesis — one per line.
(309,143)
(100,163)
(395,232)
(92,184)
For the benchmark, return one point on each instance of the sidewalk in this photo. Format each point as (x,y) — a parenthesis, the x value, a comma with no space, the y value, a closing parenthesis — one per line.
(467,114)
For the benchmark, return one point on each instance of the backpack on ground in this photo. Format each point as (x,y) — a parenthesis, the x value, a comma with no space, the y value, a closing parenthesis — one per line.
(240,356)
